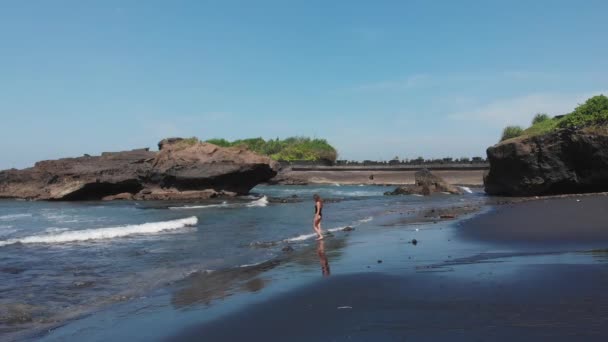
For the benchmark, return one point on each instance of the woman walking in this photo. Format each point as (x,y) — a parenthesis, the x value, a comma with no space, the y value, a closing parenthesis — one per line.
(316,223)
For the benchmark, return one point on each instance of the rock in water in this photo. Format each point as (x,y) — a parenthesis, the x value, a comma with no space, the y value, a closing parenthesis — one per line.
(426,184)
(182,169)
(561,162)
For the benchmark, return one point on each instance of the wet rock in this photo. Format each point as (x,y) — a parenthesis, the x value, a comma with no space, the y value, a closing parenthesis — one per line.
(82,284)
(182,169)
(348,229)
(426,184)
(16,313)
(287,249)
(12,270)
(285,200)
(561,162)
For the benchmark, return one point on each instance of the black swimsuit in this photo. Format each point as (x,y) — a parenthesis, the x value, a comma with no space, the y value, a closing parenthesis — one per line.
(320,211)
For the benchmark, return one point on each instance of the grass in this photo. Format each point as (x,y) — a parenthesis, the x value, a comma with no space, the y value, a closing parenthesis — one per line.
(543,127)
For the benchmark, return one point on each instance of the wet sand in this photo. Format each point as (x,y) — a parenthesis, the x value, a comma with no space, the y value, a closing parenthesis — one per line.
(541,303)
(575,220)
(538,285)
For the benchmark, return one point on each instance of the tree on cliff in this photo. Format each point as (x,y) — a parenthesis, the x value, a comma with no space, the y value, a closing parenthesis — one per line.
(289,149)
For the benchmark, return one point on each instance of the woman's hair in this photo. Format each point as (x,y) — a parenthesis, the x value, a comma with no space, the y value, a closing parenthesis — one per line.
(316,197)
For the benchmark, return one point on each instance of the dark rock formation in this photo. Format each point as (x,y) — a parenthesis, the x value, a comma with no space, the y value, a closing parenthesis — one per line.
(426,184)
(557,163)
(181,170)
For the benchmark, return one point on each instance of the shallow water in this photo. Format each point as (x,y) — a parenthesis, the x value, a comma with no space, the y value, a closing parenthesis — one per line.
(60,260)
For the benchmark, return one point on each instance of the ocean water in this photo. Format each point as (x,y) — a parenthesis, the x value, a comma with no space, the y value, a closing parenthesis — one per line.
(62,260)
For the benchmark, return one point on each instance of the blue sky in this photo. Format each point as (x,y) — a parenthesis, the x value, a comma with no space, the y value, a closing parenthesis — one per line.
(376,78)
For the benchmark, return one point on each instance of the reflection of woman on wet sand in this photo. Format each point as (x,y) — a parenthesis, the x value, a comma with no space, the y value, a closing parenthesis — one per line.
(323,259)
(316,223)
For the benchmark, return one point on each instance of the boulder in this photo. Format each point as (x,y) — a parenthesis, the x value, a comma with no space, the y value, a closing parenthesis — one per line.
(561,162)
(426,184)
(182,170)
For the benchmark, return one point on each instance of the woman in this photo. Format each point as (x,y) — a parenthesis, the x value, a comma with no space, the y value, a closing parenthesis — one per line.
(316,223)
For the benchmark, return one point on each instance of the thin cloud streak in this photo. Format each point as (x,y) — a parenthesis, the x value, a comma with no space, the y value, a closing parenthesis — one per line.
(520,110)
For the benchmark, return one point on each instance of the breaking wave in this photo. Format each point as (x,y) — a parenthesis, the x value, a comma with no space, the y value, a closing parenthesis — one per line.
(13,217)
(104,233)
(466,189)
(260,202)
(221,205)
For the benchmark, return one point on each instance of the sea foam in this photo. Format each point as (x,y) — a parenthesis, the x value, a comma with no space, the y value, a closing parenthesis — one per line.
(13,217)
(105,233)
(466,189)
(260,202)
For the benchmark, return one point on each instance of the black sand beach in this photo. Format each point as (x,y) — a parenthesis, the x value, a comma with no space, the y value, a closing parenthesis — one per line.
(547,281)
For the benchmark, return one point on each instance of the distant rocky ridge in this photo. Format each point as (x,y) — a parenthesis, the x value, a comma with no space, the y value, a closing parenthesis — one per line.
(561,162)
(180,170)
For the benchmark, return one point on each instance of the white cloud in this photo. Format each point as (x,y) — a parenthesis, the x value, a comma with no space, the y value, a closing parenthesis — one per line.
(414,81)
(426,80)
(520,110)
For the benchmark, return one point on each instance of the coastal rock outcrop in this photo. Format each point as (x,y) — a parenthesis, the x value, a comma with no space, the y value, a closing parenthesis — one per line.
(426,184)
(182,169)
(561,162)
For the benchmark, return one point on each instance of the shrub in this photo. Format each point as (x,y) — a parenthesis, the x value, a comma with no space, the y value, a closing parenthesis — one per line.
(511,132)
(540,117)
(593,112)
(290,149)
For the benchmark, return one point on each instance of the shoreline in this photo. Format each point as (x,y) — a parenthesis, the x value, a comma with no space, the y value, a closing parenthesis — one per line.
(520,294)
(402,226)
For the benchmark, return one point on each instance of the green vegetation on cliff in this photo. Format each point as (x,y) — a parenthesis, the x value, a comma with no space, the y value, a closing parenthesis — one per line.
(592,113)
(511,132)
(290,149)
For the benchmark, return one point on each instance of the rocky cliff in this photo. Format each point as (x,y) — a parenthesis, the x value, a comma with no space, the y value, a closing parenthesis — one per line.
(182,169)
(565,161)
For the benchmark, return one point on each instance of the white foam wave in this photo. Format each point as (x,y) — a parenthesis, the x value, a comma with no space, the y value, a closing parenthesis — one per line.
(221,205)
(305,237)
(105,233)
(466,189)
(55,230)
(301,237)
(251,265)
(13,217)
(262,202)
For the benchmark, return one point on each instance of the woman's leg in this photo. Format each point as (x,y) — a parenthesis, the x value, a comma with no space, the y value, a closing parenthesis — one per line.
(318,228)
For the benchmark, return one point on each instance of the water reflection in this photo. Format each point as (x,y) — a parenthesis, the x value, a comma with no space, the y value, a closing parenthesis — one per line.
(323,259)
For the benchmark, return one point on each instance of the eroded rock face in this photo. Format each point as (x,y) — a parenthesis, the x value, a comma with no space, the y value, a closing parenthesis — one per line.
(561,162)
(180,170)
(426,184)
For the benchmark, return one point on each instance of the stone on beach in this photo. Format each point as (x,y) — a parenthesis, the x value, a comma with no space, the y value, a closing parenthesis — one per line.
(426,184)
